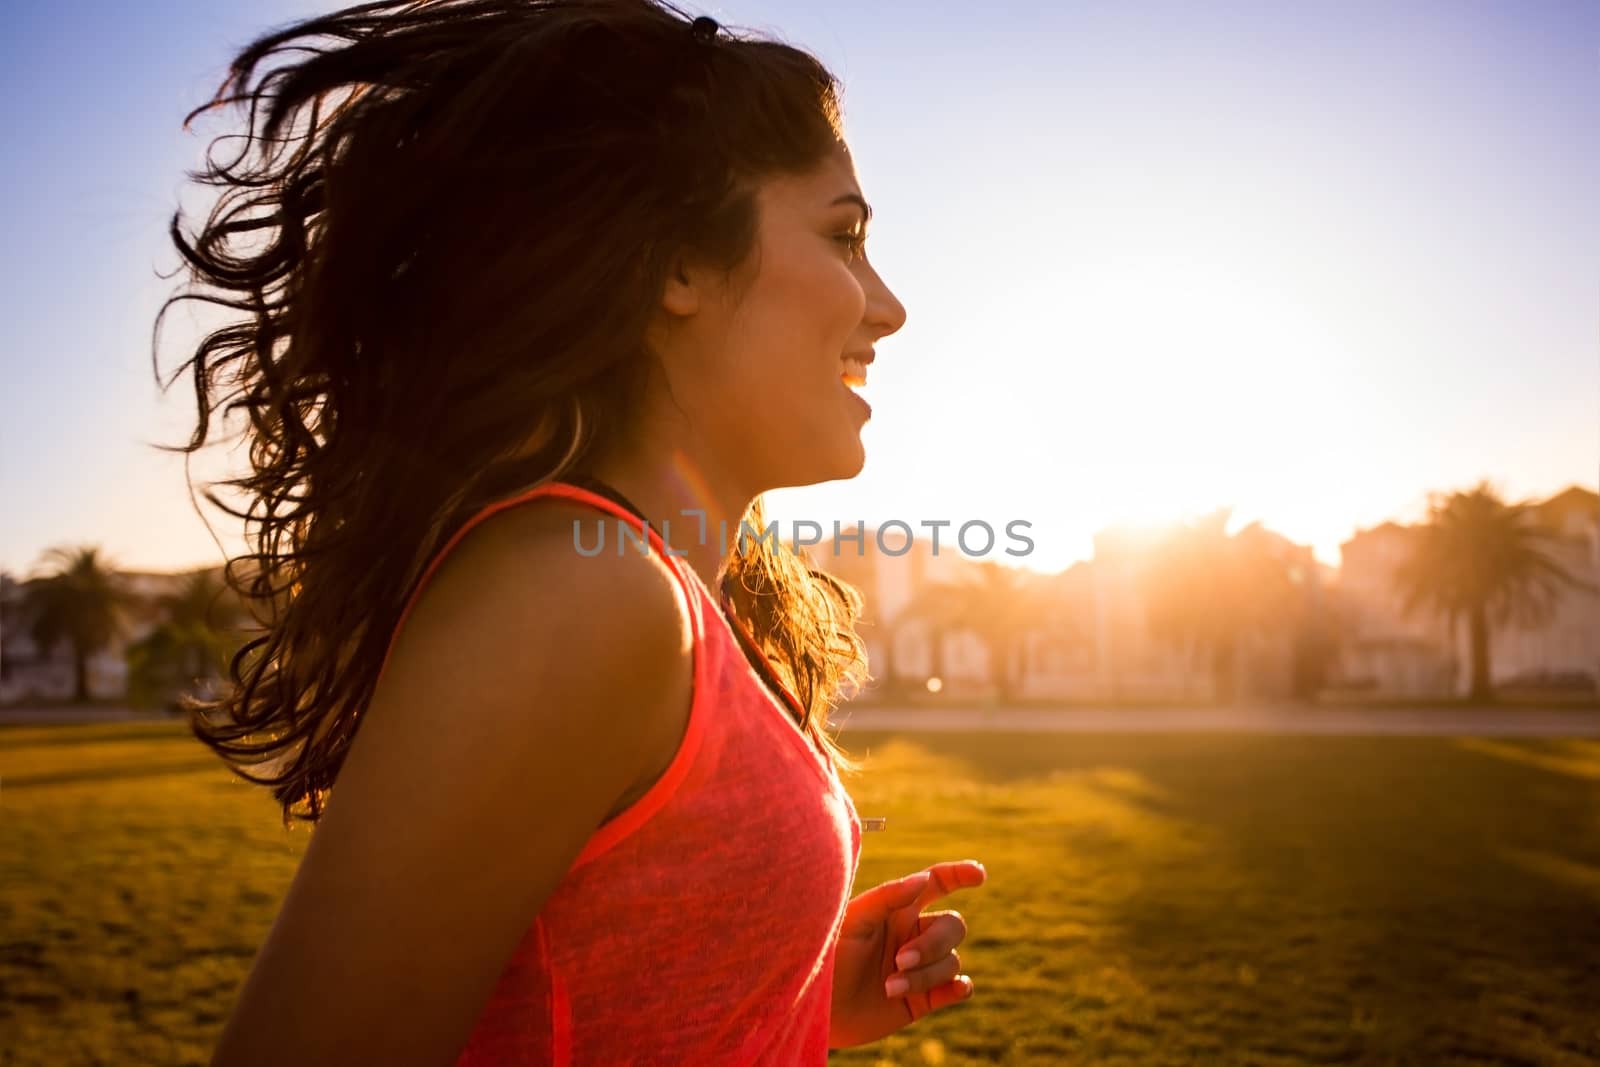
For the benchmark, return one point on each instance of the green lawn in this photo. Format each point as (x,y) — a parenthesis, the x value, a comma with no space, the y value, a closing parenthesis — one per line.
(1152,900)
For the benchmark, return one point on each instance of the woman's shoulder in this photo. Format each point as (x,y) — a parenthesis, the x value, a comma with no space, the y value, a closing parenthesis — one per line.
(522,568)
(537,546)
(514,713)
(597,648)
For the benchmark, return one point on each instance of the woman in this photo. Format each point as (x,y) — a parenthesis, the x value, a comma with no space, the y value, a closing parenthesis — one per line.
(512,268)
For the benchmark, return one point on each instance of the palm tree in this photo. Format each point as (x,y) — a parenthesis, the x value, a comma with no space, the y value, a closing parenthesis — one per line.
(1210,589)
(198,632)
(1488,562)
(1322,628)
(83,601)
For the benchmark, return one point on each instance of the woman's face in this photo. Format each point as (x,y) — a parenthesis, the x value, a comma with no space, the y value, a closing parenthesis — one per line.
(762,367)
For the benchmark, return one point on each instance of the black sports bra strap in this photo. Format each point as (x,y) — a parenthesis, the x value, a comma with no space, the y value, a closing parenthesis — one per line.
(595,485)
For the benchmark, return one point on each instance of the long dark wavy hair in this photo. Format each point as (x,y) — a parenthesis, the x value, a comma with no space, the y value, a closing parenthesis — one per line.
(444,232)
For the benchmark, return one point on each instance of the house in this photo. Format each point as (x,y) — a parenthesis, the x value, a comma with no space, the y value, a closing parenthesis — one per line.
(1387,653)
(1564,650)
(1090,641)
(906,650)
(1131,662)
(1383,650)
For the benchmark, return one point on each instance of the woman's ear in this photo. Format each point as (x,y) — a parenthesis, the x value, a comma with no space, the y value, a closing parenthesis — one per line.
(682,293)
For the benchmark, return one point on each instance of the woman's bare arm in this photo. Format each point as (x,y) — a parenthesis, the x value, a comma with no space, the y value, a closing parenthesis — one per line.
(529,690)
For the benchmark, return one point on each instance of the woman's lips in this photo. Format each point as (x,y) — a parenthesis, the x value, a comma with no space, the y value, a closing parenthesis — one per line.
(857,397)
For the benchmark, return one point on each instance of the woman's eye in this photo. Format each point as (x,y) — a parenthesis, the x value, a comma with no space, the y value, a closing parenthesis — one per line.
(855,242)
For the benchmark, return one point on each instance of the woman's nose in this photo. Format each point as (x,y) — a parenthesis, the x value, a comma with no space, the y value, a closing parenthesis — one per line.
(885,313)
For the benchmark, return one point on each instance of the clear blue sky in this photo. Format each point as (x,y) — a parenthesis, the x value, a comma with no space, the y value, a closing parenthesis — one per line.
(1310,260)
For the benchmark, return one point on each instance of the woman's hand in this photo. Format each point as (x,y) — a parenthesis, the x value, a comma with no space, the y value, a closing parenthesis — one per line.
(894,965)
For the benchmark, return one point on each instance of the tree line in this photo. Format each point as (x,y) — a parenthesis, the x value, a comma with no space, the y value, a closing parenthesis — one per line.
(1476,561)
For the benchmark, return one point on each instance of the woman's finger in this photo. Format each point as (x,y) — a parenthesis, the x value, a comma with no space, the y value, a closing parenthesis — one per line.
(941,932)
(949,877)
(953,992)
(924,979)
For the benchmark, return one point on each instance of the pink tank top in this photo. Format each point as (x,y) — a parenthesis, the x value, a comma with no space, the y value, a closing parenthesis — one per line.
(699,925)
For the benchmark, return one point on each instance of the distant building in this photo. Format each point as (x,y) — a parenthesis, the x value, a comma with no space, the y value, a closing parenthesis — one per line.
(1564,651)
(1382,650)
(1385,652)
(1131,662)
(1060,660)
(1092,641)
(905,649)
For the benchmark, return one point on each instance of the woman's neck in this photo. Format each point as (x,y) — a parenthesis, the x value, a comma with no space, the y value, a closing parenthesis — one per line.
(696,510)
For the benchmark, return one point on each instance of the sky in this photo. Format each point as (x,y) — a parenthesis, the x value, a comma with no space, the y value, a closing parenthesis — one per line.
(1309,261)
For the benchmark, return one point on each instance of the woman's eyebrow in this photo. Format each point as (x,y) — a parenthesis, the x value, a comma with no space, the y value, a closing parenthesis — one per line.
(855,198)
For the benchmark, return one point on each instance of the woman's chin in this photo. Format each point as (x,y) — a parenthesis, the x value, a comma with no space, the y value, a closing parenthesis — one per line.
(860,460)
(846,460)
(852,458)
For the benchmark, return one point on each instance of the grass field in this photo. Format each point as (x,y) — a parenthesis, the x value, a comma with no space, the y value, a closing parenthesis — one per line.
(1196,899)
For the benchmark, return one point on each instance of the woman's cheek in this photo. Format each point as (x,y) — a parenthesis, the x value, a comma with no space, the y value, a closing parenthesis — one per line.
(853,304)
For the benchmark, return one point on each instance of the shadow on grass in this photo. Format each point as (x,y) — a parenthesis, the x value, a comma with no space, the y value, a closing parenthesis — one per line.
(109,774)
(1238,898)
(17,736)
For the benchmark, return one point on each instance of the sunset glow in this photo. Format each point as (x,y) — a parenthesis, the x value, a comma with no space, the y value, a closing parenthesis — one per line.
(1302,263)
